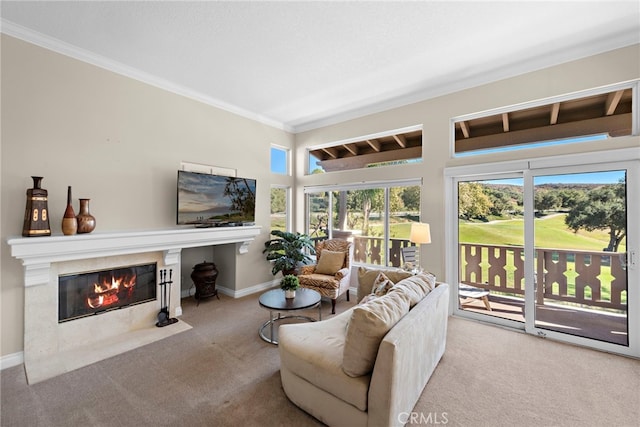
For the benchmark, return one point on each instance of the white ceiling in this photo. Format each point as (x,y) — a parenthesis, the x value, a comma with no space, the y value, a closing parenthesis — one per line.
(301,65)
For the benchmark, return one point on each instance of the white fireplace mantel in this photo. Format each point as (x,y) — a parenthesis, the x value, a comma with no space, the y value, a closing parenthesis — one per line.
(38,253)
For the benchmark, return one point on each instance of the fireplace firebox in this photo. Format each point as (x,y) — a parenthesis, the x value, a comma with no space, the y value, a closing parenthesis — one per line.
(95,292)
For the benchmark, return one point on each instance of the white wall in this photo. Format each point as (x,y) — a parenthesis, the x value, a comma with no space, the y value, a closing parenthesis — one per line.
(435,114)
(118,142)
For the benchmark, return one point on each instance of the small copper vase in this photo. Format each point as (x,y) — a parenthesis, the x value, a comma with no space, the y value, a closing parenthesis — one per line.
(69,221)
(86,221)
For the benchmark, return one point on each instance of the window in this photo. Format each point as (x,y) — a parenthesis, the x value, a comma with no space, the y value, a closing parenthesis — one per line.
(279,160)
(596,114)
(280,208)
(377,218)
(400,146)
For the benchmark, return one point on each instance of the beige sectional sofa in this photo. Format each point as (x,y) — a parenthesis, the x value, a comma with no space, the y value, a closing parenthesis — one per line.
(352,370)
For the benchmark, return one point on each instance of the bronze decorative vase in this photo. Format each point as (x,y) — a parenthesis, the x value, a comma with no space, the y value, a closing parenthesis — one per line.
(86,221)
(69,221)
(36,215)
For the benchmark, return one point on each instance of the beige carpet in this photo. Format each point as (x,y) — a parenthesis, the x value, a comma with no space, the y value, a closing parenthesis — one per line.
(220,373)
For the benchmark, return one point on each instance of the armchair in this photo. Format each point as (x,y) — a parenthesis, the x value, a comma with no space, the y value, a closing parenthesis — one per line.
(330,276)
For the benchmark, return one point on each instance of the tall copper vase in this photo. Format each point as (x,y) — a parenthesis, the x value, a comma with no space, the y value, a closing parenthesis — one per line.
(69,221)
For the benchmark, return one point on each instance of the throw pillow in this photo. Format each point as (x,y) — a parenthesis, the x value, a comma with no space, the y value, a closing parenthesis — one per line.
(381,285)
(368,325)
(330,262)
(366,276)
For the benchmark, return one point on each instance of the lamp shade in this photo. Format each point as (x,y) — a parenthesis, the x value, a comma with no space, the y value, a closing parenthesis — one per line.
(420,233)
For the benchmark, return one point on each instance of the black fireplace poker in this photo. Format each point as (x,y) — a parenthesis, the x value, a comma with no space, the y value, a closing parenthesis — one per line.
(164,318)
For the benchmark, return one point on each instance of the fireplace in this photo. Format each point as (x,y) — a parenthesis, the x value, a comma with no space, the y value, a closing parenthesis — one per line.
(96,292)
(51,347)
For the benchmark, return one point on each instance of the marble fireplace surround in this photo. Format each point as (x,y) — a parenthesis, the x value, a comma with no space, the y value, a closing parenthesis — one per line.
(52,348)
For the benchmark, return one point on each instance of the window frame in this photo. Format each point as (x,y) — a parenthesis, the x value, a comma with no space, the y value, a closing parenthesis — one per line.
(287,155)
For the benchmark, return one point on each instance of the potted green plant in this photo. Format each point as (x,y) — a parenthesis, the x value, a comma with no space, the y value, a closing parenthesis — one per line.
(288,250)
(289,284)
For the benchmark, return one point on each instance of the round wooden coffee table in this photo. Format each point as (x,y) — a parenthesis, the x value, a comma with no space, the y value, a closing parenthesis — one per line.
(275,302)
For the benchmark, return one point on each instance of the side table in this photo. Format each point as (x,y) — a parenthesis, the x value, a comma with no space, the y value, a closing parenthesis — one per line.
(275,302)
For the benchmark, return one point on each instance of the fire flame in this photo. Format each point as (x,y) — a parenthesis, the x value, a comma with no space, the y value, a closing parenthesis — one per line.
(106,293)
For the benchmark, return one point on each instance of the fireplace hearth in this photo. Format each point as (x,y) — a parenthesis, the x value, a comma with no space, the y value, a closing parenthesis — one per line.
(96,292)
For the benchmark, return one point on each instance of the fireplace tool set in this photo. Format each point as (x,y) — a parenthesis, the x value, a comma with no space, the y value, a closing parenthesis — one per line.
(165,300)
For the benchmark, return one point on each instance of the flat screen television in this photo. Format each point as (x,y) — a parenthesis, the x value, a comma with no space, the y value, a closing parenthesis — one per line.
(206,200)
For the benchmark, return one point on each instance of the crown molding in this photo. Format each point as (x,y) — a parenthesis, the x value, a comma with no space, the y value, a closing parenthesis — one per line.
(408,95)
(14,30)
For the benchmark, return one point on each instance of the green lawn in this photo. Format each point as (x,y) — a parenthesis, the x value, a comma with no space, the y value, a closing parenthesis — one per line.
(551,232)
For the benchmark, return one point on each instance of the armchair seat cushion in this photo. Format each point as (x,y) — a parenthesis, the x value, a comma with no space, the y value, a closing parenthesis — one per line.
(319,281)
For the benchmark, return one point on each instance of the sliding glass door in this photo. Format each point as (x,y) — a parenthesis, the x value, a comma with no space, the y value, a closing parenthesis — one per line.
(552,251)
(580,226)
(491,247)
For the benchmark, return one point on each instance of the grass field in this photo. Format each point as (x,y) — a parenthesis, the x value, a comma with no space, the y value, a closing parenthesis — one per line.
(550,231)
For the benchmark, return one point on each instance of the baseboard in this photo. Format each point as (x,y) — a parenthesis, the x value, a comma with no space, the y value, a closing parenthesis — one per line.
(186,293)
(250,290)
(11,360)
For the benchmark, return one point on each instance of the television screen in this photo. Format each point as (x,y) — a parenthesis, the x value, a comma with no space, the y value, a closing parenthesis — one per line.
(213,200)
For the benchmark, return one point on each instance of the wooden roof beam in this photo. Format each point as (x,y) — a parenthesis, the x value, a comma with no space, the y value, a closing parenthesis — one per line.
(555,111)
(375,144)
(613,99)
(505,122)
(401,140)
(331,151)
(352,148)
(464,126)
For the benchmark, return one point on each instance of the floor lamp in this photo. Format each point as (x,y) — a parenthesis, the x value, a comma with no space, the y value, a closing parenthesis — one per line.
(420,234)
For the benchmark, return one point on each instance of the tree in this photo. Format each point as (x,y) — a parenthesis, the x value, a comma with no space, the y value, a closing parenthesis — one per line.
(547,200)
(396,202)
(411,198)
(603,208)
(278,200)
(366,201)
(501,201)
(473,202)
(569,197)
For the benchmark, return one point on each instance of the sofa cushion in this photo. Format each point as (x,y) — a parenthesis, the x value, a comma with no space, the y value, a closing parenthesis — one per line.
(429,279)
(313,351)
(368,325)
(330,262)
(415,288)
